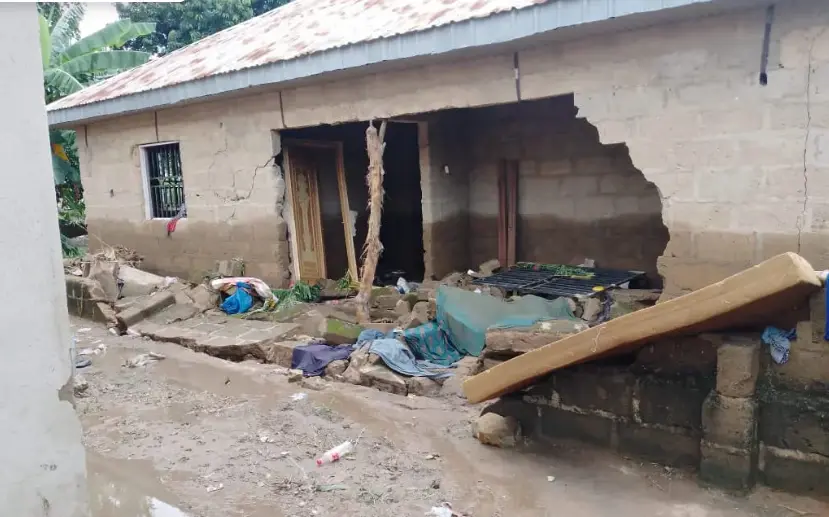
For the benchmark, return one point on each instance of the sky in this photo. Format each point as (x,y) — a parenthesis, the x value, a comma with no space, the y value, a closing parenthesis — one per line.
(97,16)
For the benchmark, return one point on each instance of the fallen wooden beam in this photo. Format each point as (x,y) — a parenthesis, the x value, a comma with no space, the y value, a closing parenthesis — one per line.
(774,285)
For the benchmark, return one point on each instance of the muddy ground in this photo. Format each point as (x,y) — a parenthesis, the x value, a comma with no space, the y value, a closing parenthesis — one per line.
(196,436)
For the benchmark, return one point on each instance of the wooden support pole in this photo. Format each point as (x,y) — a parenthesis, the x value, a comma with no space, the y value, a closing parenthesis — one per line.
(375,146)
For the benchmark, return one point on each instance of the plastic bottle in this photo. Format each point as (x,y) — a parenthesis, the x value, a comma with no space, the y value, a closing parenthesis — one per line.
(335,454)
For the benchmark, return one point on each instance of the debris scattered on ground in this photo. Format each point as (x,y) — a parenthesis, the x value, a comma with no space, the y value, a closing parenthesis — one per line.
(779,342)
(80,385)
(335,453)
(215,488)
(82,362)
(144,359)
(496,430)
(296,397)
(551,478)
(295,375)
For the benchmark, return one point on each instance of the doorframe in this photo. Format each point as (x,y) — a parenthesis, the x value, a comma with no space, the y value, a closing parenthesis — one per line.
(343,193)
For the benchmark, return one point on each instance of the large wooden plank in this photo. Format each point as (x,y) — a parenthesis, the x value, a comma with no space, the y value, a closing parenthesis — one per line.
(766,288)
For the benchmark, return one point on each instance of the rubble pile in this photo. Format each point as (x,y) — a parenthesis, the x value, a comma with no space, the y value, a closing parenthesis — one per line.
(411,346)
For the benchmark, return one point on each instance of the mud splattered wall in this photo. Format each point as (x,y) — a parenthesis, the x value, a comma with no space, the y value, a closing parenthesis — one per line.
(577,198)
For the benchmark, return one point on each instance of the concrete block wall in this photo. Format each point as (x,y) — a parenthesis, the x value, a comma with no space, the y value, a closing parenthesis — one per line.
(652,409)
(571,189)
(232,190)
(740,167)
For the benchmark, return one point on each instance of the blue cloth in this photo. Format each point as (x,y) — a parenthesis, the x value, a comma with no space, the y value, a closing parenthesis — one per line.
(779,342)
(399,358)
(826,328)
(367,335)
(239,302)
(430,343)
(312,359)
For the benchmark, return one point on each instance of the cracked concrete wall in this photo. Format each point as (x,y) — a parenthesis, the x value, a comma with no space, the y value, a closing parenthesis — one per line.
(741,168)
(43,471)
(232,189)
(577,198)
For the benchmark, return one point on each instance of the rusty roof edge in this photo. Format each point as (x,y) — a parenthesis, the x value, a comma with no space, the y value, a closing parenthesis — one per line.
(494,29)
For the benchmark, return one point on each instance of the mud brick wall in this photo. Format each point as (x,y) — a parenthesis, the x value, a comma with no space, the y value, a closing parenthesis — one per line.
(577,198)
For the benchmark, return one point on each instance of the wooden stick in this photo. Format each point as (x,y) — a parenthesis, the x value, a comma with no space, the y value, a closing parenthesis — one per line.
(373,247)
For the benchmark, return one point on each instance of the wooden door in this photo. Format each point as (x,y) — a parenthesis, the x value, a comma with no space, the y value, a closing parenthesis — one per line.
(306,209)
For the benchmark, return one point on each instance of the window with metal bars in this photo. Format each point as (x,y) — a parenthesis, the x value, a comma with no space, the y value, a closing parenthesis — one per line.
(161,165)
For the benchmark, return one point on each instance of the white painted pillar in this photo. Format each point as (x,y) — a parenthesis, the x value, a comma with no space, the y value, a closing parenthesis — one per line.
(42,469)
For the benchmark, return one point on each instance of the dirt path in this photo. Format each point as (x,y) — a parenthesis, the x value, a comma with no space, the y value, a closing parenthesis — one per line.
(197,436)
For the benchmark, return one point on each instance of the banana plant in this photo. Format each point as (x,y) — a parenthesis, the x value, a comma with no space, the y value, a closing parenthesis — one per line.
(70,63)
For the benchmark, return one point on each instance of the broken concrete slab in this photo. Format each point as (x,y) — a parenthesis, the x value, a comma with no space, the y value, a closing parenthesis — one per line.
(402,308)
(203,297)
(511,342)
(313,383)
(338,332)
(379,377)
(145,308)
(281,352)
(387,301)
(335,369)
(465,368)
(423,386)
(106,274)
(175,313)
(496,430)
(357,360)
(137,282)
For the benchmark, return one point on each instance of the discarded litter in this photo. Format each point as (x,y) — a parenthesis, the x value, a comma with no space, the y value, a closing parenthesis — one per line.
(551,478)
(335,454)
(265,438)
(100,349)
(82,362)
(296,397)
(779,343)
(215,488)
(144,359)
(403,286)
(330,488)
(83,330)
(431,457)
(444,510)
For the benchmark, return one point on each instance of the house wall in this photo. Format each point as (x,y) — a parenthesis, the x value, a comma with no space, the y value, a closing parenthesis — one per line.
(740,167)
(233,192)
(44,470)
(577,198)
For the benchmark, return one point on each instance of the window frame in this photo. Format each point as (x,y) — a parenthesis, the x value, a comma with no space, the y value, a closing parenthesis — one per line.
(145,178)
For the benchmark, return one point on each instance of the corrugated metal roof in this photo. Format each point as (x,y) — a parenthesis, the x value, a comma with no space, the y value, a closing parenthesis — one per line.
(297,29)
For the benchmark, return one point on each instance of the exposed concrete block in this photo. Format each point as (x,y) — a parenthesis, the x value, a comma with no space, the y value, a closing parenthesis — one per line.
(795,420)
(510,342)
(606,389)
(203,297)
(230,268)
(663,446)
(738,366)
(687,355)
(383,379)
(795,471)
(138,282)
(281,352)
(423,386)
(466,367)
(146,308)
(338,332)
(671,401)
(805,370)
(515,406)
(496,430)
(727,467)
(730,421)
(559,423)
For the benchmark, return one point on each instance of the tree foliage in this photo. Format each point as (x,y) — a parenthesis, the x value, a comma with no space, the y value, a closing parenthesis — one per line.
(180,24)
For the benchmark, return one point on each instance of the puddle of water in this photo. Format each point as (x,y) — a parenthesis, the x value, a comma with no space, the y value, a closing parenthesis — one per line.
(127,488)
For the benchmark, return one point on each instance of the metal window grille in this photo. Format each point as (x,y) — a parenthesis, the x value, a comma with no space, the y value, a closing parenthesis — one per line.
(164,180)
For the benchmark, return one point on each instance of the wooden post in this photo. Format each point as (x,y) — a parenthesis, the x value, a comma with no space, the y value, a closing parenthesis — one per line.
(373,247)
